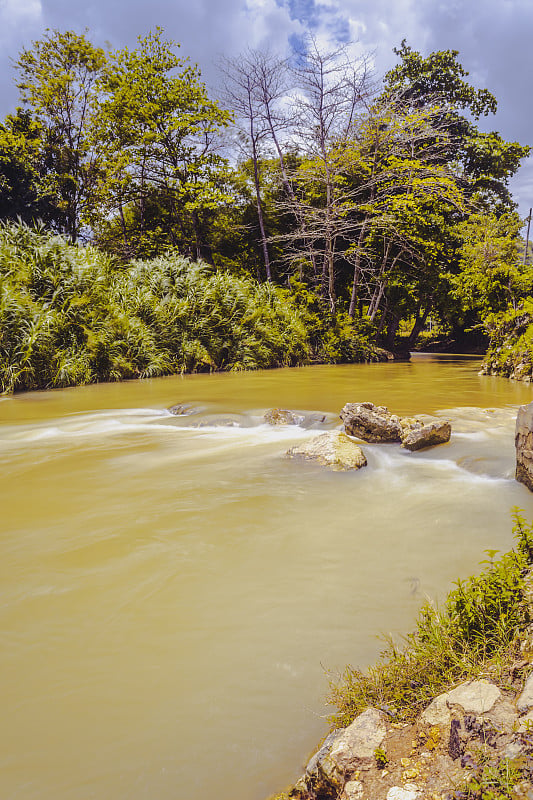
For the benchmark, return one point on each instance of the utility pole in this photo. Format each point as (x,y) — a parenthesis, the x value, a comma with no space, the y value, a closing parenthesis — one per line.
(527,235)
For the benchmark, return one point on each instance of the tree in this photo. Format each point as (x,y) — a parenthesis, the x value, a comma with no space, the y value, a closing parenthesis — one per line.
(243,93)
(23,173)
(492,277)
(160,128)
(330,88)
(59,80)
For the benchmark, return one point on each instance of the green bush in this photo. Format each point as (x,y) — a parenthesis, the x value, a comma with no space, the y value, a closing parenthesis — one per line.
(472,634)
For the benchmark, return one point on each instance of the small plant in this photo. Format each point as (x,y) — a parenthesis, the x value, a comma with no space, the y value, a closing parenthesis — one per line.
(494,781)
(381,757)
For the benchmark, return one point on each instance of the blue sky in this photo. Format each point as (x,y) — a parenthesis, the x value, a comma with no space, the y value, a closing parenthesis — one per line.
(493,37)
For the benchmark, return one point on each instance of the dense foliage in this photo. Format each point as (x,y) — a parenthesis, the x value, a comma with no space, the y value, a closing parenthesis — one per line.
(70,315)
(376,205)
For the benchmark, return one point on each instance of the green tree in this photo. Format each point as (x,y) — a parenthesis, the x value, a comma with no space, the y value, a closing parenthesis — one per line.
(492,277)
(160,128)
(59,80)
(23,173)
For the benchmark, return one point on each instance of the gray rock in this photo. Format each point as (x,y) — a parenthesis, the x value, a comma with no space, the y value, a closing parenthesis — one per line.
(474,697)
(438,712)
(332,449)
(503,715)
(353,790)
(524,446)
(525,701)
(371,423)
(343,752)
(420,436)
(480,698)
(407,792)
(526,723)
(282,416)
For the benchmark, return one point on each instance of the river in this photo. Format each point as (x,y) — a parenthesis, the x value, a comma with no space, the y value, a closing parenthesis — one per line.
(173,591)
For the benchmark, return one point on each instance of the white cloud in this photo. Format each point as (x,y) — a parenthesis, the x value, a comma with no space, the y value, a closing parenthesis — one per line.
(19,12)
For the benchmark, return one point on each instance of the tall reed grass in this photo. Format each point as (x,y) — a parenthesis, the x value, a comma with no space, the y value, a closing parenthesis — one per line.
(70,315)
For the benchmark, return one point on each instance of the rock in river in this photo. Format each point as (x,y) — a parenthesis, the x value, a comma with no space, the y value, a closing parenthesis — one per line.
(282,416)
(524,446)
(371,423)
(182,410)
(376,424)
(332,449)
(418,436)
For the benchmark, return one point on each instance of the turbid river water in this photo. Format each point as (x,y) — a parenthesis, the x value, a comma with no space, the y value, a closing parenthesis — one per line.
(173,590)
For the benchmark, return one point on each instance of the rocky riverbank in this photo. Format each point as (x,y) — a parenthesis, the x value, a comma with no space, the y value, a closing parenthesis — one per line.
(449,717)
(510,352)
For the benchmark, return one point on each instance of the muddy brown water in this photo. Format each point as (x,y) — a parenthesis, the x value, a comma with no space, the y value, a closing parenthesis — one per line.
(173,590)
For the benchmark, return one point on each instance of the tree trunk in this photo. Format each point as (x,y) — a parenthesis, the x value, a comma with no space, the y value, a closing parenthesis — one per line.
(420,321)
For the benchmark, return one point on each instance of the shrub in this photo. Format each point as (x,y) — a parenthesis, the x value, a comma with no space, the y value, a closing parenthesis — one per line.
(472,634)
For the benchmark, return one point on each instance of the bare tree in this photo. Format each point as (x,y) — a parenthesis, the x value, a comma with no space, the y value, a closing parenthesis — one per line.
(244,94)
(329,90)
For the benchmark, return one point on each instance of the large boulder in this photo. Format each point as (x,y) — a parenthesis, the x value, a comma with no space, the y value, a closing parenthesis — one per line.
(371,423)
(332,449)
(376,424)
(480,699)
(524,446)
(342,754)
(418,436)
(282,416)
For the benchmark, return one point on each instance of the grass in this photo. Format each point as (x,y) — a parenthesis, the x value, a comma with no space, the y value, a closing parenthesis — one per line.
(476,633)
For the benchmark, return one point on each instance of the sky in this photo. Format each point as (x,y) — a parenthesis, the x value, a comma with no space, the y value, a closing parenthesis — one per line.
(493,37)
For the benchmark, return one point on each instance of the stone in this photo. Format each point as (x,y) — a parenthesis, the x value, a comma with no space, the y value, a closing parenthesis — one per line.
(438,712)
(376,424)
(420,436)
(474,697)
(503,715)
(353,790)
(282,416)
(526,723)
(525,701)
(371,423)
(479,698)
(360,740)
(407,792)
(332,449)
(524,446)
(182,410)
(343,752)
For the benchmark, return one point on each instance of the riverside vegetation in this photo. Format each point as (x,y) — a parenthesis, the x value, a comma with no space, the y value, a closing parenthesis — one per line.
(265,227)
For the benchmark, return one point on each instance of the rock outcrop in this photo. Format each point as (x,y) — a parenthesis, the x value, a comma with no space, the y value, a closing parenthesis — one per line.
(476,723)
(331,449)
(343,752)
(282,416)
(524,446)
(376,424)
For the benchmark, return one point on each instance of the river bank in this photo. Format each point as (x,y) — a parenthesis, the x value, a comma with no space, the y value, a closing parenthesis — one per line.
(449,713)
